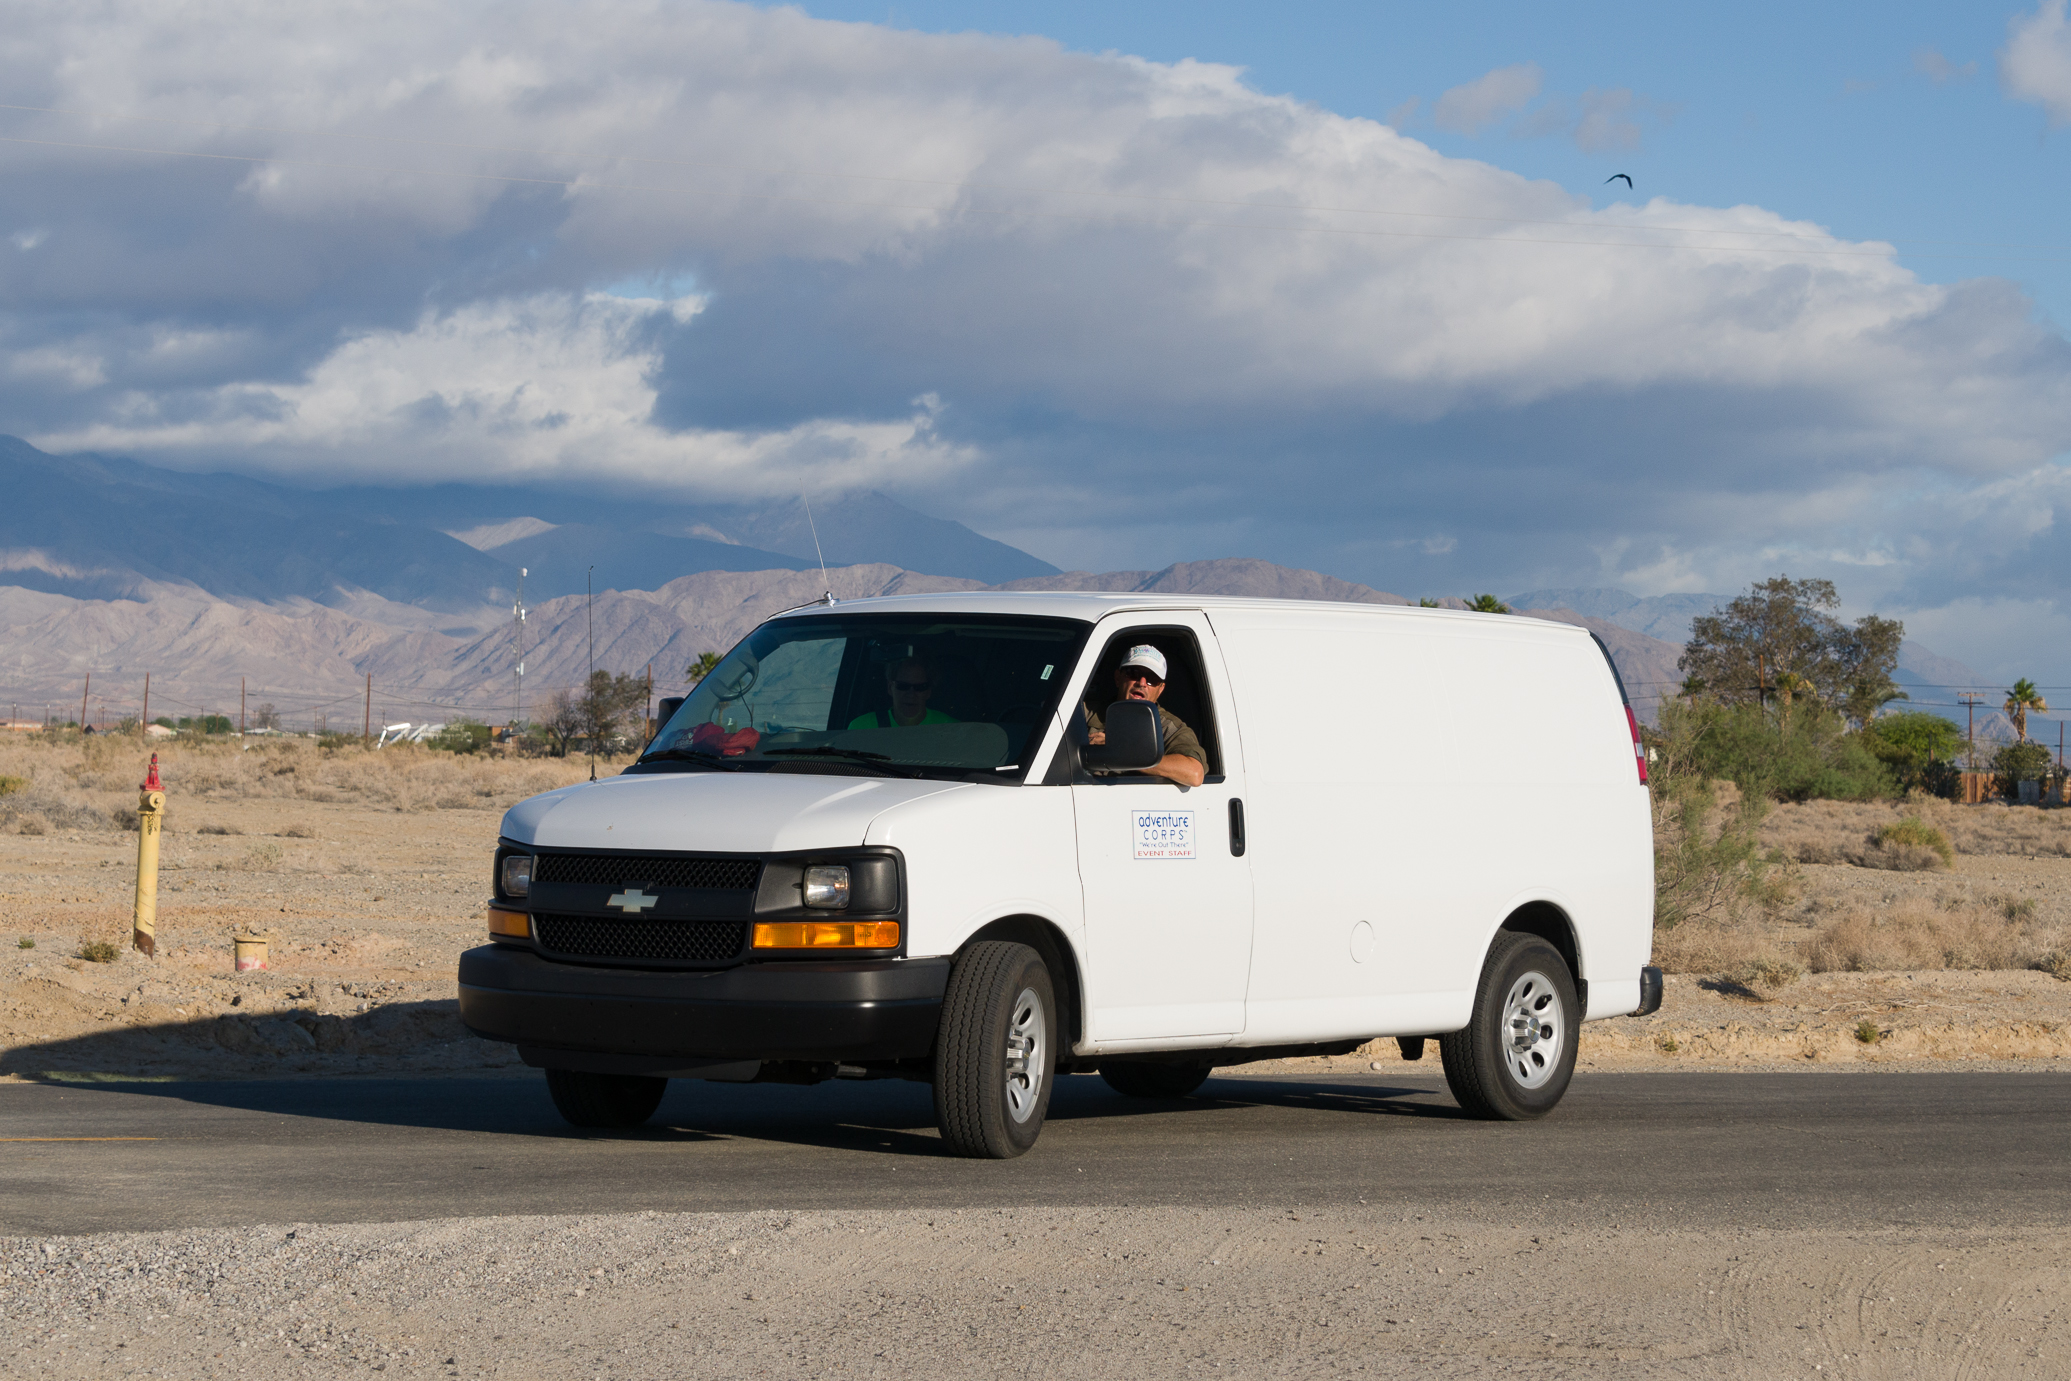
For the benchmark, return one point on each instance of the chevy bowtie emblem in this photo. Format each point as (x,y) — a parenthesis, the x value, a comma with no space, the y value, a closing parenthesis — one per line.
(632,901)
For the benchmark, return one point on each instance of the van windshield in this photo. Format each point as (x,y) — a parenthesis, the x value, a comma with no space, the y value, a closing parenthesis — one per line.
(876,694)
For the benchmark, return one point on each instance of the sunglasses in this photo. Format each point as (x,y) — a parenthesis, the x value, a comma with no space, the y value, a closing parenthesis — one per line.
(912,687)
(1130,674)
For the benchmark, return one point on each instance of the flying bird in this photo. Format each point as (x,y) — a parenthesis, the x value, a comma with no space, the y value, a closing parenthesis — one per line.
(1615,176)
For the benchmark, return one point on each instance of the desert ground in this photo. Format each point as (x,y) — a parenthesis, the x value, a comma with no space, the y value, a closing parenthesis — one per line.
(367,871)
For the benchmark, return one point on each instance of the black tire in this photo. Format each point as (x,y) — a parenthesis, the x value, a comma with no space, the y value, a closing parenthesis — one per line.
(605,1100)
(1147,1079)
(996,1051)
(1514,1060)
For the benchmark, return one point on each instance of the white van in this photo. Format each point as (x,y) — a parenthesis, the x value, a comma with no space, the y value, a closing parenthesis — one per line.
(882,840)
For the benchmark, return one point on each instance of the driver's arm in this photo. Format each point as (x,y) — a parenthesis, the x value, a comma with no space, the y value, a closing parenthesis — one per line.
(1178,767)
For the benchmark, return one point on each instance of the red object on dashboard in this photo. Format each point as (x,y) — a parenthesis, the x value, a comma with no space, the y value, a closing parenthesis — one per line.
(710,738)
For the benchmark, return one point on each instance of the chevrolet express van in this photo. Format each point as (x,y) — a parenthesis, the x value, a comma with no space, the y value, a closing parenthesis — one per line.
(885,839)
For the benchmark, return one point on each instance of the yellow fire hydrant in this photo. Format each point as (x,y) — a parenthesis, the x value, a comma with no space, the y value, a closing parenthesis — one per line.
(150,818)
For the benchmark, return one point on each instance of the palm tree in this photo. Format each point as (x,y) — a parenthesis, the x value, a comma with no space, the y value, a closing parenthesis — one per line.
(1488,604)
(1791,684)
(2021,699)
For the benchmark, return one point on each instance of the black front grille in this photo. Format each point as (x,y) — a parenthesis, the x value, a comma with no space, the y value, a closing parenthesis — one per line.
(649,870)
(650,939)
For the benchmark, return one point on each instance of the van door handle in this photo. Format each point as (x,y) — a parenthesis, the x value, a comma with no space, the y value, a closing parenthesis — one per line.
(1236,828)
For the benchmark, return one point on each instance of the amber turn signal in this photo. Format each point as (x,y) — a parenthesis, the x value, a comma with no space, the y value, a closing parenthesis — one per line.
(826,934)
(515,925)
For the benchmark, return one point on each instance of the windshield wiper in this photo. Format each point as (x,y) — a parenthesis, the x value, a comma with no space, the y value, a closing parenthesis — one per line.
(881,761)
(690,755)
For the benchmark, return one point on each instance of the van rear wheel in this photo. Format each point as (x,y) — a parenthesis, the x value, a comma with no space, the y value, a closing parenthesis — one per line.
(995,1054)
(1514,1060)
(1146,1079)
(605,1100)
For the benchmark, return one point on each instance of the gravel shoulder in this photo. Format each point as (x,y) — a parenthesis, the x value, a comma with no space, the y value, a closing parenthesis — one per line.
(1382,1289)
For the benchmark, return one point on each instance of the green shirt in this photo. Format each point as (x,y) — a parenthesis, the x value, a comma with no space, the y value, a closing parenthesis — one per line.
(882,719)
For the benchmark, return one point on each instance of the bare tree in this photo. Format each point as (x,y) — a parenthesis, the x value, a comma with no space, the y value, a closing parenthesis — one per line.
(560,718)
(266,717)
(608,702)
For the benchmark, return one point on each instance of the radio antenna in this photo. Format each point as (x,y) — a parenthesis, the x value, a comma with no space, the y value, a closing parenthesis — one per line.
(826,583)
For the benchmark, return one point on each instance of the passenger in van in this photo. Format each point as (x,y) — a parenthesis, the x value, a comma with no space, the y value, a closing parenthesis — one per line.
(908,683)
(1141,676)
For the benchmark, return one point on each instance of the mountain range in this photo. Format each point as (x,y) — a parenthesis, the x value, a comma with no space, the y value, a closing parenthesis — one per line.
(221,585)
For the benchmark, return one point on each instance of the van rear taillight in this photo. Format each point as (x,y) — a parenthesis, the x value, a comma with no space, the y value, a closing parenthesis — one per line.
(1639,750)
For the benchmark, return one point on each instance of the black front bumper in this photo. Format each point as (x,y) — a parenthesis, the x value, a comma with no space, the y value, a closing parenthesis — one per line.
(861,1010)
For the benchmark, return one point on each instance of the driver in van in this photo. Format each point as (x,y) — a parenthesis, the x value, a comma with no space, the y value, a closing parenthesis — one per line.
(1141,676)
(908,683)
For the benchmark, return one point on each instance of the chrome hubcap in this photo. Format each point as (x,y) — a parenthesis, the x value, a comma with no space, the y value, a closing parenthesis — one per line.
(1534,1030)
(1028,1050)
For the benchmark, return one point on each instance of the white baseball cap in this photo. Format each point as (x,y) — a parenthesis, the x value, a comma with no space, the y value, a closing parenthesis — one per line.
(1148,657)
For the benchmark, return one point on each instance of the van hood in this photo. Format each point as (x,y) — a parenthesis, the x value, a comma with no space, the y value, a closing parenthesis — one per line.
(723,812)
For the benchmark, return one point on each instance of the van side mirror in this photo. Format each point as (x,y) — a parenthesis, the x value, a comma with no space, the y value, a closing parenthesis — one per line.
(665,710)
(1135,739)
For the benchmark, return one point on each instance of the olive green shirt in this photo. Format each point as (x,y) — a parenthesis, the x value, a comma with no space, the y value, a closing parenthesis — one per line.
(1178,737)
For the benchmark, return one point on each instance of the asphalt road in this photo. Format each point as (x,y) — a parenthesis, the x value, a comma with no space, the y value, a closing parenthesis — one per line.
(1777,1150)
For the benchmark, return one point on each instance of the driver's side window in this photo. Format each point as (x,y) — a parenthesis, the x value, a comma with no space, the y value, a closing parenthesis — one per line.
(1185,693)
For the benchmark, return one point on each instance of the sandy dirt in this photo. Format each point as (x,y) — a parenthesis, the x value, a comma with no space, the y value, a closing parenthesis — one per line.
(1376,1290)
(368,872)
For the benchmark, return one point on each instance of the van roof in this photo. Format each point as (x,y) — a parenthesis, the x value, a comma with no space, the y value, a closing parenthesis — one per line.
(1095,605)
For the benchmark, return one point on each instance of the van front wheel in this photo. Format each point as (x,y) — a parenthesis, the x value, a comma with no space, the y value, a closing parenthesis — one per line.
(995,1054)
(1514,1060)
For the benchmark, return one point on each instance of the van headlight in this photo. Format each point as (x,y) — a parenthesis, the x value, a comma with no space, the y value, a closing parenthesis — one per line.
(517,875)
(827,886)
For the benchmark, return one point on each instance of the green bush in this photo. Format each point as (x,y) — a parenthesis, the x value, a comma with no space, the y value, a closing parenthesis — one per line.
(460,736)
(2020,762)
(1913,832)
(1913,744)
(99,952)
(1806,754)
(1706,869)
(10,785)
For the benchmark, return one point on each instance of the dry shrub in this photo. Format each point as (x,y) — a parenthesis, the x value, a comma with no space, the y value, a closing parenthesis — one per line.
(48,803)
(91,783)
(1956,934)
(219,829)
(1731,947)
(1766,974)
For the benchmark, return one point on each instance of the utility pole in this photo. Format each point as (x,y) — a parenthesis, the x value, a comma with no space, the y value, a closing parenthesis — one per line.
(145,718)
(367,721)
(588,690)
(518,662)
(82,702)
(1970,701)
(240,707)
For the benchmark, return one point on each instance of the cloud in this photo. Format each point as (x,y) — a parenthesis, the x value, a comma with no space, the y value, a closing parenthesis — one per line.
(1161,314)
(1938,69)
(531,389)
(1601,120)
(1471,108)
(2035,64)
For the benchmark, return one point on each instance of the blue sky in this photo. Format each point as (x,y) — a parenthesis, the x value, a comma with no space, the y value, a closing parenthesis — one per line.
(1882,122)
(1340,286)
